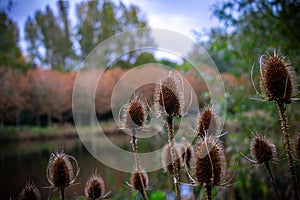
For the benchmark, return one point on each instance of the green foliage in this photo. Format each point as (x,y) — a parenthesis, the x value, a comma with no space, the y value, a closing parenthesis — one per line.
(250,29)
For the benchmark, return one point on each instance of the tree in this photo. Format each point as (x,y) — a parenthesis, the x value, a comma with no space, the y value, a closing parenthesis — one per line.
(100,20)
(252,28)
(10,53)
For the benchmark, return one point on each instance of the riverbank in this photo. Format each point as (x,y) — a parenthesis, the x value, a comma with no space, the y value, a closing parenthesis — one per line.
(35,133)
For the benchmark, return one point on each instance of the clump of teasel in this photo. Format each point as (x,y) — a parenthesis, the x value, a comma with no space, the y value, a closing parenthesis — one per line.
(95,188)
(208,122)
(168,102)
(188,153)
(60,173)
(277,83)
(209,164)
(30,192)
(263,152)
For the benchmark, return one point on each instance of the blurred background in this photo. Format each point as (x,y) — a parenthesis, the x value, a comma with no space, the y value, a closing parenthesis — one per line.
(44,43)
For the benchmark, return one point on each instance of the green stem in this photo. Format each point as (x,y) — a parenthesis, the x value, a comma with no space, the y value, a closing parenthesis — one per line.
(272,179)
(289,151)
(173,155)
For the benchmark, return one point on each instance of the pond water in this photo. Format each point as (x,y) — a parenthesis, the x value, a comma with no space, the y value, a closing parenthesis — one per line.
(22,161)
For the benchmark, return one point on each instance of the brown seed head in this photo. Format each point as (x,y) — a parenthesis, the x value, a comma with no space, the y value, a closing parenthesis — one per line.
(135,181)
(168,95)
(208,122)
(262,150)
(135,114)
(277,78)
(167,160)
(30,192)
(94,188)
(209,163)
(60,171)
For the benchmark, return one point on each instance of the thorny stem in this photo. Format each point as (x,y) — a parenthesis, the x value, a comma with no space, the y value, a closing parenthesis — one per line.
(138,165)
(272,179)
(208,191)
(173,155)
(62,192)
(289,151)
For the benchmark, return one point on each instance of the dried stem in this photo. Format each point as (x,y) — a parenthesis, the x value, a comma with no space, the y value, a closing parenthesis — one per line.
(62,192)
(272,179)
(289,151)
(208,191)
(173,155)
(138,163)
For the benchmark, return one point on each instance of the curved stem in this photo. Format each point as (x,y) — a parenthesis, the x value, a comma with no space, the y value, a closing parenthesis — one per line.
(138,165)
(173,155)
(289,151)
(208,191)
(272,179)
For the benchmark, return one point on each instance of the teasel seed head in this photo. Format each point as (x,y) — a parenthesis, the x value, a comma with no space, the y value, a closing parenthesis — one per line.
(209,166)
(30,192)
(94,188)
(262,150)
(208,122)
(167,160)
(60,172)
(135,113)
(277,78)
(168,95)
(136,183)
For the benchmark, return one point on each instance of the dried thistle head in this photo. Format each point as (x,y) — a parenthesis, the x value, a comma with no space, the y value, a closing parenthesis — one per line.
(208,122)
(30,192)
(136,183)
(167,160)
(60,171)
(168,95)
(262,150)
(94,187)
(209,166)
(277,78)
(135,113)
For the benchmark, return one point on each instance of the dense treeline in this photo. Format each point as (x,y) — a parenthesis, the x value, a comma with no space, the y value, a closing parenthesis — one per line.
(44,97)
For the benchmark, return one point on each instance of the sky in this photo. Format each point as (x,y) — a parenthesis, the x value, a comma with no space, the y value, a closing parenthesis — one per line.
(182,16)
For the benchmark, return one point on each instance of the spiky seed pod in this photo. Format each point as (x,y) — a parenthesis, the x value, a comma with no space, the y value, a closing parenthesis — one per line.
(168,95)
(30,192)
(94,188)
(136,183)
(208,122)
(262,150)
(60,172)
(188,153)
(135,113)
(209,166)
(277,78)
(166,158)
